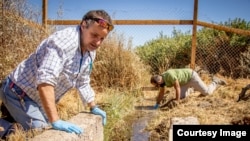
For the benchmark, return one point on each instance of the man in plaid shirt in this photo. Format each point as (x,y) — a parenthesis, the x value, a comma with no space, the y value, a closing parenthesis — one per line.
(61,62)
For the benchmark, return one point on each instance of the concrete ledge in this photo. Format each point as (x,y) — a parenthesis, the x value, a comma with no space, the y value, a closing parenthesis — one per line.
(91,124)
(181,121)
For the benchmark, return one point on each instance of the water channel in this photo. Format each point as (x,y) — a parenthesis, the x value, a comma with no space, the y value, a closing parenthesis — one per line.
(145,113)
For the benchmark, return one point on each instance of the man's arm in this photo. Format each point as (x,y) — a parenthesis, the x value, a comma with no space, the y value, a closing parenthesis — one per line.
(177,90)
(91,104)
(47,95)
(160,95)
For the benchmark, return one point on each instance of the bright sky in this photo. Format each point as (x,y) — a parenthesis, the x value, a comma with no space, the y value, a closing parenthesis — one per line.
(215,11)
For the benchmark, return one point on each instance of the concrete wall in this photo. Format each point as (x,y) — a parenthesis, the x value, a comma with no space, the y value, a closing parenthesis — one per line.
(181,121)
(92,125)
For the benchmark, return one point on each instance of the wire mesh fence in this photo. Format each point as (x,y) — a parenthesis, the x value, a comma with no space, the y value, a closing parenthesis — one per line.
(217,51)
(224,53)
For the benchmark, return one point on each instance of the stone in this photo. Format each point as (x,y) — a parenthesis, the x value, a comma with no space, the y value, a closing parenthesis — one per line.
(91,124)
(181,121)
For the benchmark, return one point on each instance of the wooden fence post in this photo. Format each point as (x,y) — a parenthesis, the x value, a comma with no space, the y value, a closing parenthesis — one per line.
(45,9)
(194,40)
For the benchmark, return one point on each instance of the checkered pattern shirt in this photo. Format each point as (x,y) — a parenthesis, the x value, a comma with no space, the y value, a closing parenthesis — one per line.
(57,61)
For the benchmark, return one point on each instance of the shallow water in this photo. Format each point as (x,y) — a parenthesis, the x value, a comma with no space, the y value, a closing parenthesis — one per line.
(145,114)
(138,133)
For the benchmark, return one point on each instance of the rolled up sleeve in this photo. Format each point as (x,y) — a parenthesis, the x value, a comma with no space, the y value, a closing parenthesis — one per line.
(50,63)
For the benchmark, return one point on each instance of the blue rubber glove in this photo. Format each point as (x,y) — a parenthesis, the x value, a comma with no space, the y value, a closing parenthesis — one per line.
(98,111)
(66,126)
(156,106)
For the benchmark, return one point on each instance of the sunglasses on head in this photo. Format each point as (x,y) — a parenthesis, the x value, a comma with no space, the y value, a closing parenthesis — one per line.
(103,23)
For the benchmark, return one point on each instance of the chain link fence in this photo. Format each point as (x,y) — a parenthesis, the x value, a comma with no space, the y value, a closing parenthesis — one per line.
(225,53)
(217,51)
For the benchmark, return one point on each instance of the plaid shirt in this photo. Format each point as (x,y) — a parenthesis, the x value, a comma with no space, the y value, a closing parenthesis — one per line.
(57,61)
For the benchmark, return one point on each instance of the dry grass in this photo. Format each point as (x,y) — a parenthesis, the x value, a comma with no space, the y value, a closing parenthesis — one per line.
(219,108)
(116,65)
(19,37)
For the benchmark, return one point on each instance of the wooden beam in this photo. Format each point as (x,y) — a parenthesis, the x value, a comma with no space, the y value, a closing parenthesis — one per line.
(156,22)
(153,22)
(224,28)
(63,22)
(127,22)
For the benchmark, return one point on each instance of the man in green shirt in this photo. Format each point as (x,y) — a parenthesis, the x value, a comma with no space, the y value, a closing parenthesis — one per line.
(182,80)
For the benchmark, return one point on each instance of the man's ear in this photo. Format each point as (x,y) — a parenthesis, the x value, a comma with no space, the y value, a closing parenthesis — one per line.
(83,24)
(160,80)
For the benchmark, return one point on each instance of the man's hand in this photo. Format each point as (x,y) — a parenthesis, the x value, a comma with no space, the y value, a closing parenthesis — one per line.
(98,111)
(66,126)
(156,106)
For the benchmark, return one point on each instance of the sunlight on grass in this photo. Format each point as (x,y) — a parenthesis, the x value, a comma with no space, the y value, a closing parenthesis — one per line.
(117,105)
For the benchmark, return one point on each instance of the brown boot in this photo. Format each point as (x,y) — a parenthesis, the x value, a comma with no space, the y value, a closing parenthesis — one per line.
(219,81)
(16,128)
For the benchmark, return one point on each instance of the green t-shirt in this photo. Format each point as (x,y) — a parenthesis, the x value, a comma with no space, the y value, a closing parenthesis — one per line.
(182,75)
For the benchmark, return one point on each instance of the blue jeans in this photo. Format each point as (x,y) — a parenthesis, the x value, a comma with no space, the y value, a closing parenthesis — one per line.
(27,112)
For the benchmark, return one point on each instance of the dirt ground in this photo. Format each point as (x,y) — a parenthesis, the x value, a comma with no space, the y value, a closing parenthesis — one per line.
(220,108)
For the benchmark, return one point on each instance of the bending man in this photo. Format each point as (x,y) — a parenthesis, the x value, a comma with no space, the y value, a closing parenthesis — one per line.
(182,80)
(61,62)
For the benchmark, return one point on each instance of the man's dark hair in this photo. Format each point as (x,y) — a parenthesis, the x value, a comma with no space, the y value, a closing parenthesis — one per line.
(97,13)
(155,79)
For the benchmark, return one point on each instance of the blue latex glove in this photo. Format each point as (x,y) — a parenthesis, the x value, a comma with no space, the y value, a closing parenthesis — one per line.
(156,106)
(66,126)
(98,111)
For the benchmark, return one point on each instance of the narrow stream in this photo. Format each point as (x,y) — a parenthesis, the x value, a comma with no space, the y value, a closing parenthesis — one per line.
(145,114)
(138,133)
